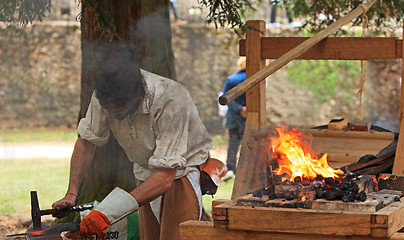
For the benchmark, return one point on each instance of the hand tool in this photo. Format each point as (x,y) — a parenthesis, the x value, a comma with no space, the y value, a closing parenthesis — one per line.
(40,229)
(36,212)
(78,208)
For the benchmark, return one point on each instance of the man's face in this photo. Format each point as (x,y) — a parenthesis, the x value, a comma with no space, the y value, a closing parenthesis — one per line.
(118,110)
(121,109)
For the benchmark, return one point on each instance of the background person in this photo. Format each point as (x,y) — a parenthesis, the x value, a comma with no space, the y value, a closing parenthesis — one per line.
(273,21)
(235,117)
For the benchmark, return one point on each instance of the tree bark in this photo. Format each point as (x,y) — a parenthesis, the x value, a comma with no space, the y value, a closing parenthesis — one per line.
(145,25)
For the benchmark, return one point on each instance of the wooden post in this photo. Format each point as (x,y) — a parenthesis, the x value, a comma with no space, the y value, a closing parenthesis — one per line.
(291,55)
(248,168)
(398,167)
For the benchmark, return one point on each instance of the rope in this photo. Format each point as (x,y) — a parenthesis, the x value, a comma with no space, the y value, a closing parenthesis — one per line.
(363,76)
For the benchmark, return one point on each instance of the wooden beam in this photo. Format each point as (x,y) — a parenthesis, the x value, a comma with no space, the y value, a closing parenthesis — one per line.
(248,167)
(259,76)
(200,230)
(398,167)
(332,48)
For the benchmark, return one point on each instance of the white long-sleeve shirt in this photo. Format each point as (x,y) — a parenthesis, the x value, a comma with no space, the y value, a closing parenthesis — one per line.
(165,132)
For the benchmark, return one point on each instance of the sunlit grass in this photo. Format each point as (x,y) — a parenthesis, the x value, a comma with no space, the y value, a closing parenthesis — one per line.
(49,177)
(219,140)
(20,135)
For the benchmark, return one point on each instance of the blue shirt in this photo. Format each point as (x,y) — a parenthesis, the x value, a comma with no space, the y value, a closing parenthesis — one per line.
(233,117)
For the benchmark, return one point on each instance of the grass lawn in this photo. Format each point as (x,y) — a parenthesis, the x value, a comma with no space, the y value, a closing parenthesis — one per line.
(20,135)
(49,176)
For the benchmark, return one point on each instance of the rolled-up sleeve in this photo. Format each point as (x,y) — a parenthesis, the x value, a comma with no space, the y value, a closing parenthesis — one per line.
(172,123)
(94,127)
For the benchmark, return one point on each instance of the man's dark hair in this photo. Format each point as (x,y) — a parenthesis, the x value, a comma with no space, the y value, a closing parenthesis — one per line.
(120,78)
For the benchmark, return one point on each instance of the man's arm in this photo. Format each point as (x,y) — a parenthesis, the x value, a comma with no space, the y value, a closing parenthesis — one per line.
(119,203)
(157,184)
(81,159)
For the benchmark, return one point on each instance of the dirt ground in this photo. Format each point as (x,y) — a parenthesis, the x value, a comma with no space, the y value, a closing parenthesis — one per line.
(14,223)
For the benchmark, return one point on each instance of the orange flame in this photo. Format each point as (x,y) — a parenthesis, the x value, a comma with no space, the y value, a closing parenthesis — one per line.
(296,161)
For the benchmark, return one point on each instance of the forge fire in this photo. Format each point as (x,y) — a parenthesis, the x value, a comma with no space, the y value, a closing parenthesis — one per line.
(297,176)
(294,157)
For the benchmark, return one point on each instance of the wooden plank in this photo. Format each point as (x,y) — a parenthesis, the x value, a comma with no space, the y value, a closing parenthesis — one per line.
(304,221)
(200,230)
(347,150)
(388,220)
(248,166)
(219,213)
(398,167)
(350,134)
(348,146)
(332,48)
(247,162)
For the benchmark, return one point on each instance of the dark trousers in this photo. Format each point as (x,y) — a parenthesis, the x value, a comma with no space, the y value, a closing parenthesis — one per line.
(273,14)
(235,137)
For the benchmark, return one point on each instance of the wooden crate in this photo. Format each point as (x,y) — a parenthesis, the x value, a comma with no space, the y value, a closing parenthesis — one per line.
(383,223)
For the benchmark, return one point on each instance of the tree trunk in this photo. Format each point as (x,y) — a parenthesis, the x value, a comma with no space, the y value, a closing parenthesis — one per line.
(146,26)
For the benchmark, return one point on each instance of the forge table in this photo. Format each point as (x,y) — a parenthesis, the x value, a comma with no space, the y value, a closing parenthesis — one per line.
(242,222)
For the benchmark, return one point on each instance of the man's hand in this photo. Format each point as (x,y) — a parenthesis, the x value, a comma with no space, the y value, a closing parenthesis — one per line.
(95,223)
(63,205)
(115,206)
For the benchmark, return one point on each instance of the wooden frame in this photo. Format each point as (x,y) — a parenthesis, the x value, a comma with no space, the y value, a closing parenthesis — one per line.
(382,224)
(198,230)
(256,47)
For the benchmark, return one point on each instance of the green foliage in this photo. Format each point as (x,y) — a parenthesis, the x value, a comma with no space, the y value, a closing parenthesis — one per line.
(383,15)
(22,12)
(324,78)
(228,13)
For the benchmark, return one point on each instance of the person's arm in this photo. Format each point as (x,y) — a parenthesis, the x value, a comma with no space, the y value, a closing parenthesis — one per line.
(157,184)
(81,159)
(237,108)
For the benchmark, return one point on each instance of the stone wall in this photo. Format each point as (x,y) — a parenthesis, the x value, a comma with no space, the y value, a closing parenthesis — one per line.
(40,79)
(40,76)
(40,73)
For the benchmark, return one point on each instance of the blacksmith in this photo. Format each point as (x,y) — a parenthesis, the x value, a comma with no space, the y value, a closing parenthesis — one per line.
(157,124)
